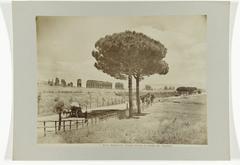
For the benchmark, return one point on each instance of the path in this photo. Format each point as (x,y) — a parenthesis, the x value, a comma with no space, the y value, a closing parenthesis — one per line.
(55,116)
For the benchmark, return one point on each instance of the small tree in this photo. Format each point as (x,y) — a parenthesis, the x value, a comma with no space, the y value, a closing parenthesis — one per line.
(165,88)
(148,87)
(59,105)
(119,85)
(70,84)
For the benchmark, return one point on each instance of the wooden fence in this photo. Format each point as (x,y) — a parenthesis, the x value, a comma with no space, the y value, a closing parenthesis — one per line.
(52,126)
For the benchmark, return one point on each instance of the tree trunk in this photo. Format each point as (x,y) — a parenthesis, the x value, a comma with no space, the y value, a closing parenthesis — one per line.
(130,95)
(59,121)
(137,95)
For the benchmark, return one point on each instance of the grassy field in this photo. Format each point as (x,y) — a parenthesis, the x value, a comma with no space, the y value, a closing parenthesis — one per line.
(173,120)
(87,97)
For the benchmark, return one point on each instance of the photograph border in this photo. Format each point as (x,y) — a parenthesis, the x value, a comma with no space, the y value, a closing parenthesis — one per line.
(25,81)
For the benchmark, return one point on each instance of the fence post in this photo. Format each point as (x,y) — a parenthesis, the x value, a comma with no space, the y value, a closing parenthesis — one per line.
(77,124)
(64,125)
(70,124)
(44,127)
(55,127)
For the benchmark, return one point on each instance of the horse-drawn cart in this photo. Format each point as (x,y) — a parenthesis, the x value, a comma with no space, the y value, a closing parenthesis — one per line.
(75,111)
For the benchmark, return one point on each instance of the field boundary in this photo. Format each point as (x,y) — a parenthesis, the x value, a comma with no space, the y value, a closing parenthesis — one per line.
(52,126)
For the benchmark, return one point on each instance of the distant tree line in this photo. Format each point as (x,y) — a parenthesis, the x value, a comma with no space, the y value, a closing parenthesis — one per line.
(119,85)
(188,90)
(169,88)
(148,87)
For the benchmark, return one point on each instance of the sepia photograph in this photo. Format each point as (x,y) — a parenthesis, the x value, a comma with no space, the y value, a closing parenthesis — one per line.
(122,80)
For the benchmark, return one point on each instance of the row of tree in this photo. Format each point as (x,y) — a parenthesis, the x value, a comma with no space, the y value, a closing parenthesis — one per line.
(148,87)
(188,90)
(169,88)
(129,55)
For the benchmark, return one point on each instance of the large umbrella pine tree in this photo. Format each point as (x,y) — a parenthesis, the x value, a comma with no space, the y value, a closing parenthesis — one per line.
(130,54)
(149,57)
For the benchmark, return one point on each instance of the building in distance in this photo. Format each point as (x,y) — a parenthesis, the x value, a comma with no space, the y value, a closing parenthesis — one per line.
(98,84)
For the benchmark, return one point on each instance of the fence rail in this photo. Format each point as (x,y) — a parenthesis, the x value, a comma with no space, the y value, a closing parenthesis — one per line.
(52,126)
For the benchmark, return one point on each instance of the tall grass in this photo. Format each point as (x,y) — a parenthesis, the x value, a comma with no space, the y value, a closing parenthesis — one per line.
(168,122)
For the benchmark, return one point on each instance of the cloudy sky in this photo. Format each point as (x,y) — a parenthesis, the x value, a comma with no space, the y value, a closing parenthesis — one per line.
(64,46)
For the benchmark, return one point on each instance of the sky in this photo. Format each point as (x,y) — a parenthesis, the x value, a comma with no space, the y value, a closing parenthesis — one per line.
(64,46)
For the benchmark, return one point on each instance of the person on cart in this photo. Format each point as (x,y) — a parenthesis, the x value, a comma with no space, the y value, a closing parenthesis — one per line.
(76,110)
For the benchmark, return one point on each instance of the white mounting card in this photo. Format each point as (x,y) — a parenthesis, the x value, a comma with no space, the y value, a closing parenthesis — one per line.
(121,80)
